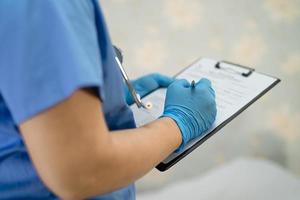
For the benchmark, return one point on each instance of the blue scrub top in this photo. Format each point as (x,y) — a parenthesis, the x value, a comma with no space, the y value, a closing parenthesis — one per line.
(48,50)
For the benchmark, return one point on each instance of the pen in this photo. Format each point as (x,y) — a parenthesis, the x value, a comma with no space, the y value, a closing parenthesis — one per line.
(134,94)
(193,84)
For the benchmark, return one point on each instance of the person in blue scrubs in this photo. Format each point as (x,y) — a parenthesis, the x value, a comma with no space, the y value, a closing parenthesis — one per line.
(66,129)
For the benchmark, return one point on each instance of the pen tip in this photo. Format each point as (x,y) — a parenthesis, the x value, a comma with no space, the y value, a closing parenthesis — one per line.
(193,83)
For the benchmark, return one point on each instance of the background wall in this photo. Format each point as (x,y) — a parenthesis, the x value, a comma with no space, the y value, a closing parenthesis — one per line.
(166,35)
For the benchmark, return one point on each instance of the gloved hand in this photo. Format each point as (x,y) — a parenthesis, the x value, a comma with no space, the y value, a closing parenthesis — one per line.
(193,109)
(146,84)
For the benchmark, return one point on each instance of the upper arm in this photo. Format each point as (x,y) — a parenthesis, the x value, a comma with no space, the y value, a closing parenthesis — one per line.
(48,49)
(49,54)
(65,140)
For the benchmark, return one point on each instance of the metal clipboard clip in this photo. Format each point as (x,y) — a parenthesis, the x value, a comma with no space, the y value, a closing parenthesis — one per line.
(245,74)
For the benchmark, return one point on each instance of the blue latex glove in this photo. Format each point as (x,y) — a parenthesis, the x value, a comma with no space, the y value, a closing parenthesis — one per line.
(193,109)
(146,84)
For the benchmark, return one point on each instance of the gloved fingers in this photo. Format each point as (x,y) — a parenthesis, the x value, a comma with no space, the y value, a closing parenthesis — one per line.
(162,80)
(204,81)
(212,91)
(183,82)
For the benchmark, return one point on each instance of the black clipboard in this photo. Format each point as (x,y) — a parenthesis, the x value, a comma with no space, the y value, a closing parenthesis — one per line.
(165,166)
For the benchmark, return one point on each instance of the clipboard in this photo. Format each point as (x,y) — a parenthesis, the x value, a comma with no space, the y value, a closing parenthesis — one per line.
(222,68)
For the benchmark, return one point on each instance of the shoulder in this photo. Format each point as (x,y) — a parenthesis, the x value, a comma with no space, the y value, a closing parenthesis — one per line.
(27,9)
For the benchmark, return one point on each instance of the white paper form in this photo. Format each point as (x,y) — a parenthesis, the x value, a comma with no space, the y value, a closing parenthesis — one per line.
(233,92)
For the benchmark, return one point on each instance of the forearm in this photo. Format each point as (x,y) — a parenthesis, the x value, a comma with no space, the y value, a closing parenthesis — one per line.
(139,150)
(134,152)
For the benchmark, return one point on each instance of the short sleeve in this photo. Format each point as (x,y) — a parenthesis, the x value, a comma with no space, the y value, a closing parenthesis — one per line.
(48,50)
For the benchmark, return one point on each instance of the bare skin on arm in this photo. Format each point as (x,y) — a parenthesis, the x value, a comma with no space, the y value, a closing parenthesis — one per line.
(76,155)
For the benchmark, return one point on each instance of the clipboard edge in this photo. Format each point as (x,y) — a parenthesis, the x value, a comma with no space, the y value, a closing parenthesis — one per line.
(165,166)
